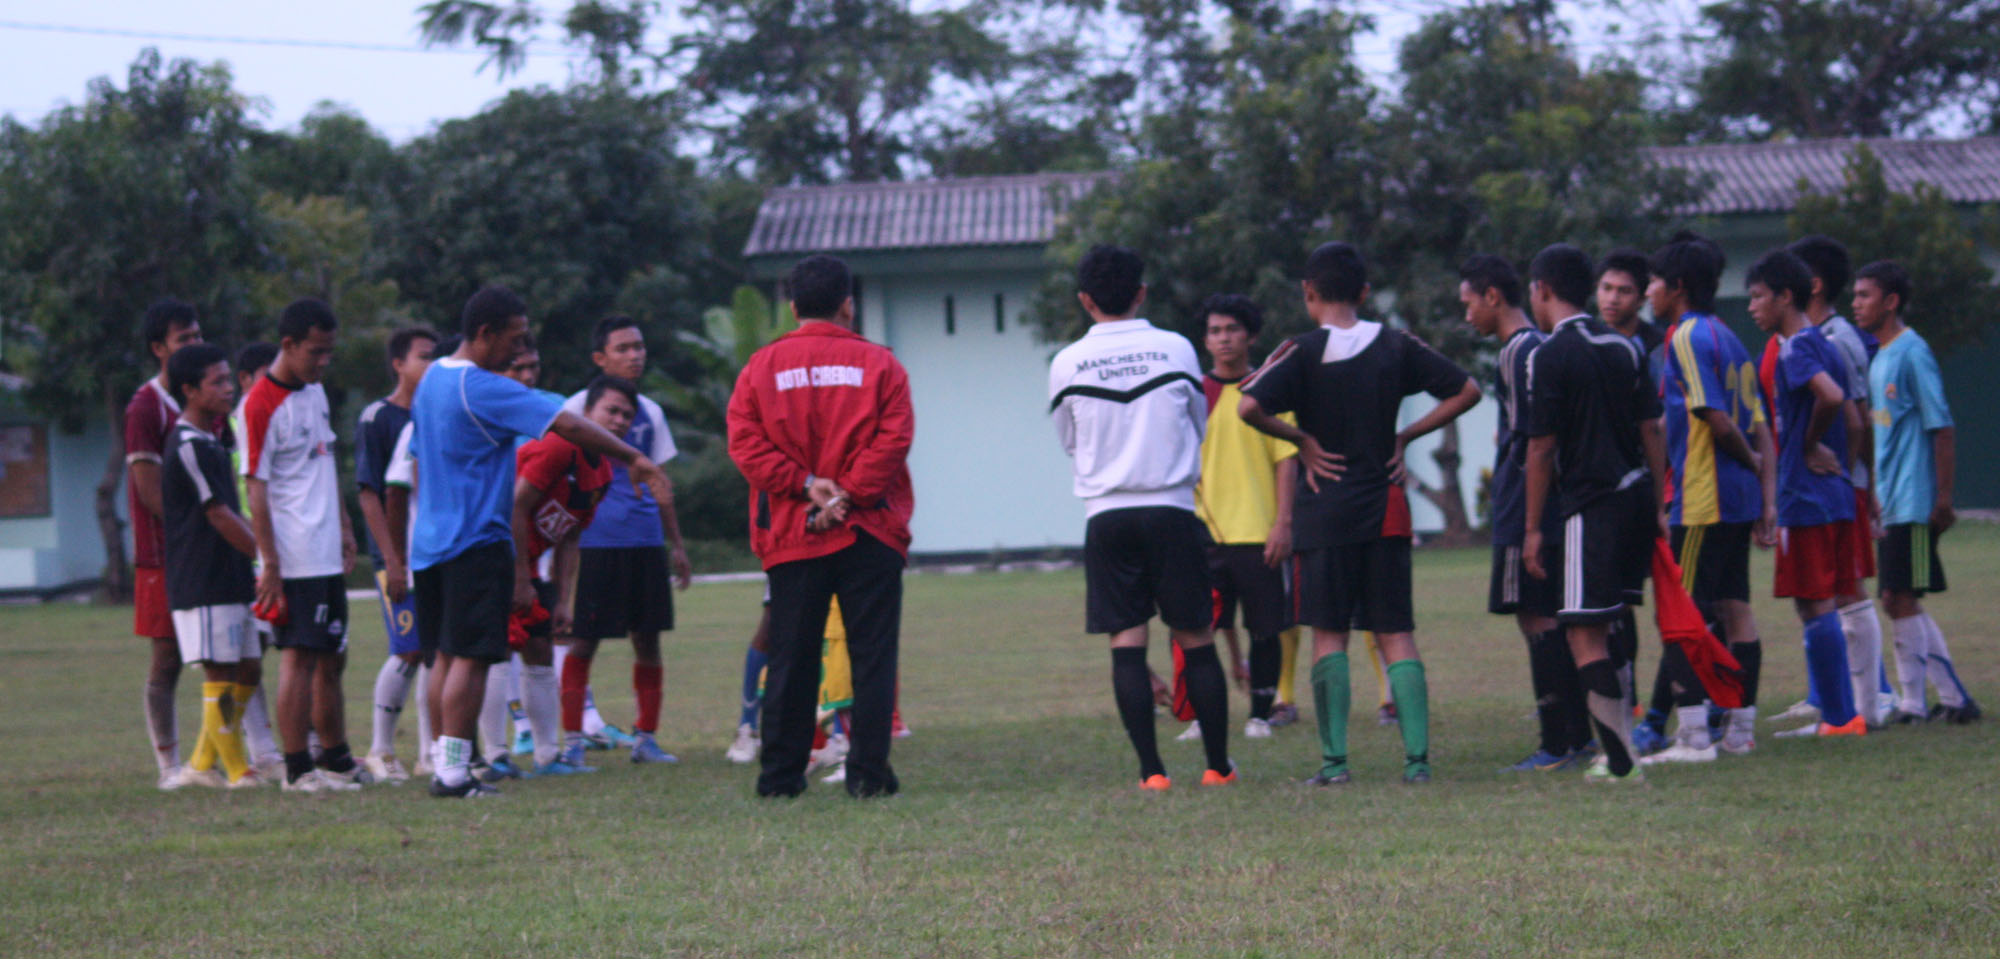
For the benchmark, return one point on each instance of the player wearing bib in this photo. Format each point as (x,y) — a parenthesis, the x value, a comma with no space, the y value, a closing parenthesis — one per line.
(1346,382)
(375,436)
(1915,466)
(1622,277)
(149,421)
(1491,292)
(1809,409)
(1724,483)
(209,583)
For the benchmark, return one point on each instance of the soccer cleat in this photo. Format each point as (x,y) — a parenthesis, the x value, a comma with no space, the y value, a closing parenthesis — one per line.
(646,750)
(1386,716)
(472,788)
(1157,782)
(1797,712)
(897,728)
(1963,715)
(1600,774)
(1190,734)
(839,775)
(834,752)
(386,769)
(1647,739)
(524,742)
(572,758)
(251,779)
(1283,714)
(1739,742)
(1901,718)
(562,767)
(1254,728)
(501,768)
(210,778)
(1681,753)
(271,766)
(1541,760)
(1416,769)
(1853,727)
(170,779)
(746,746)
(1339,777)
(1809,729)
(615,738)
(319,781)
(1210,777)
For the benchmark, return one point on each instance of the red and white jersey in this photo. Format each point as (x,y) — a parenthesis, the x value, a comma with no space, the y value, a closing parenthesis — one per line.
(288,434)
(149,420)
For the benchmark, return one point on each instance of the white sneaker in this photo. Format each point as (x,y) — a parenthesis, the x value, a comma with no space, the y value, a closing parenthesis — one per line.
(1191,734)
(251,780)
(270,766)
(839,774)
(832,754)
(171,779)
(386,769)
(1799,711)
(1681,753)
(1809,729)
(319,781)
(185,776)
(1254,728)
(357,777)
(1739,742)
(746,746)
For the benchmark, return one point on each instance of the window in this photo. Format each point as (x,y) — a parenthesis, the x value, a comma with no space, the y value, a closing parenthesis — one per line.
(999,312)
(950,316)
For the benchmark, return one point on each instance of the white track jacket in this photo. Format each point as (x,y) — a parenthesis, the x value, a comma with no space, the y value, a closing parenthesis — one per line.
(1128,407)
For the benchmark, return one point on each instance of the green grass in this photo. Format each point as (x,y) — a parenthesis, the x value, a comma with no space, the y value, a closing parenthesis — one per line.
(1019,832)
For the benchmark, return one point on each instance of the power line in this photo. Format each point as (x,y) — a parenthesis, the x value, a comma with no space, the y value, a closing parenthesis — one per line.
(247,41)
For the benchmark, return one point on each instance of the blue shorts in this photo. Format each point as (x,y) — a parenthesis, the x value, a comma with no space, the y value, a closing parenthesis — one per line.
(398,619)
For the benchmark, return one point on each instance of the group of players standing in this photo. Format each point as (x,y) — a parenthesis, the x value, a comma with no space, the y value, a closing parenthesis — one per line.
(1624,447)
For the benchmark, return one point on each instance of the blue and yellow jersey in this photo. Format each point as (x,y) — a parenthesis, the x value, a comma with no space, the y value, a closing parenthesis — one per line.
(1708,368)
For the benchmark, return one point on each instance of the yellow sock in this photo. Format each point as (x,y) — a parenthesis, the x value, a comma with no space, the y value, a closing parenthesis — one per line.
(1381,675)
(217,738)
(1288,643)
(211,715)
(239,698)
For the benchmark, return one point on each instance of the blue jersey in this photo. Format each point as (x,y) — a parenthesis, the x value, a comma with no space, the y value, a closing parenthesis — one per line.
(464,424)
(1806,498)
(374,441)
(1510,445)
(1708,368)
(1906,397)
(628,517)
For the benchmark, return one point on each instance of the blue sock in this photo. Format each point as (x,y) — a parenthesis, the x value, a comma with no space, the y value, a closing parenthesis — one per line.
(753,678)
(1826,660)
(1882,674)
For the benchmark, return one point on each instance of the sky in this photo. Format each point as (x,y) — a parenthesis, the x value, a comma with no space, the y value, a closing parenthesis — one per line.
(365,54)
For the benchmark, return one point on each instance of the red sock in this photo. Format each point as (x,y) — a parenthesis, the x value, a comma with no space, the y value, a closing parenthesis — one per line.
(575,684)
(819,737)
(646,686)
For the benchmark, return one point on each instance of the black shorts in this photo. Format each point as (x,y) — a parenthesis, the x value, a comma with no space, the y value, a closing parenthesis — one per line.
(1907,560)
(621,590)
(1511,590)
(463,603)
(1715,561)
(1353,586)
(1599,563)
(1238,576)
(1139,560)
(317,607)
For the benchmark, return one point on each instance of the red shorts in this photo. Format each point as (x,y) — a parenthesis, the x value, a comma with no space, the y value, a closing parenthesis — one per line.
(1816,562)
(1864,537)
(151,617)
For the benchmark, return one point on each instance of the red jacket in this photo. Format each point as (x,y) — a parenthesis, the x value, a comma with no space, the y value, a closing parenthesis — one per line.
(822,401)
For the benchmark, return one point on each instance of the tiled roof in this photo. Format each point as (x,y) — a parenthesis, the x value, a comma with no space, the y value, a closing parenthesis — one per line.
(1764,177)
(923,214)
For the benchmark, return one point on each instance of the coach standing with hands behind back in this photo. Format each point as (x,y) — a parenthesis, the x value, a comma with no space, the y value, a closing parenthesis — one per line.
(820,424)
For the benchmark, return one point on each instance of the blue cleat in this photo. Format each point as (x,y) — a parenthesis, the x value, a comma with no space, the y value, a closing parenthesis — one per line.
(524,742)
(1541,760)
(645,750)
(1647,740)
(562,767)
(614,738)
(500,769)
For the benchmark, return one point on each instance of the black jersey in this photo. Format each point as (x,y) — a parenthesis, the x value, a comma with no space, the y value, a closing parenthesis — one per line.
(1347,396)
(380,424)
(202,568)
(1588,386)
(1510,447)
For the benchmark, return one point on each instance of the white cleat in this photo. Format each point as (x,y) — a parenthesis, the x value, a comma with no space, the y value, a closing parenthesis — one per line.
(1800,711)
(1190,734)
(746,746)
(386,769)
(271,766)
(1809,729)
(1681,753)
(251,779)
(1254,728)
(171,779)
(839,774)
(185,776)
(319,781)
(832,754)
(1739,743)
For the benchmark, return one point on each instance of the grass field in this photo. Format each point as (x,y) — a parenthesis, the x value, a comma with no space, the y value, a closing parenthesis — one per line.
(1019,831)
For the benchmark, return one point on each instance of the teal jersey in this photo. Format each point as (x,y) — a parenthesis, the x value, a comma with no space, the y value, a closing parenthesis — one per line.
(1906,398)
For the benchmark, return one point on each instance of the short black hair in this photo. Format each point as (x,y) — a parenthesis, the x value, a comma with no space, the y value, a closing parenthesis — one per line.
(1566,271)
(165,316)
(1484,271)
(1628,261)
(1782,271)
(401,340)
(449,345)
(1891,277)
(1236,306)
(1694,263)
(1337,272)
(302,316)
(818,285)
(491,307)
(1827,258)
(600,337)
(255,355)
(1111,276)
(528,343)
(189,364)
(618,384)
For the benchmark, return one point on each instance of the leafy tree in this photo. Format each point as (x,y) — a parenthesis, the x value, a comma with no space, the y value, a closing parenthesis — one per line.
(334,153)
(710,489)
(1953,297)
(136,194)
(320,247)
(1840,68)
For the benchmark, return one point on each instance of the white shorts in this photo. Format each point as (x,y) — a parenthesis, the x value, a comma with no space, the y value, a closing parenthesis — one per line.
(216,634)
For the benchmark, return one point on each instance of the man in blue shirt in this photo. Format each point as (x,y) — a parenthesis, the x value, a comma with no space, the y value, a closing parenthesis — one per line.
(465,420)
(1915,461)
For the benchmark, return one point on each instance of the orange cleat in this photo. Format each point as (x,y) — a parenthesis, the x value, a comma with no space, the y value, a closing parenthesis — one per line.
(1156,783)
(1210,777)
(1857,726)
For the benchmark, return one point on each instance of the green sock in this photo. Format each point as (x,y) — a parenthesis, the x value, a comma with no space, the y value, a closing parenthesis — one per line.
(1331,700)
(1413,708)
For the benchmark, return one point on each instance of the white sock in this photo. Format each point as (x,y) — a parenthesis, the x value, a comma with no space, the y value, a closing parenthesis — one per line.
(163,725)
(392,690)
(593,721)
(312,744)
(454,762)
(1743,719)
(257,733)
(424,738)
(517,709)
(1694,726)
(1937,663)
(1864,655)
(493,721)
(1913,644)
(542,695)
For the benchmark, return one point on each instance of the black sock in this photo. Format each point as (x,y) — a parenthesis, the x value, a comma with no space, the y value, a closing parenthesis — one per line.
(1750,656)
(1575,704)
(1687,687)
(1623,640)
(297,764)
(1545,670)
(1663,688)
(1208,693)
(1607,712)
(1132,686)
(337,760)
(1266,660)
